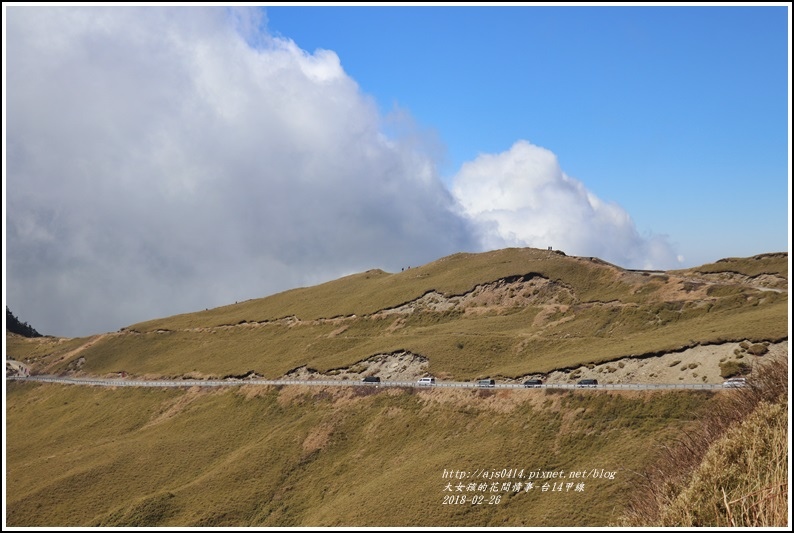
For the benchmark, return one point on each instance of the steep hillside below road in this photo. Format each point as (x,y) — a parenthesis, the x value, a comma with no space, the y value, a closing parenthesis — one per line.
(326,456)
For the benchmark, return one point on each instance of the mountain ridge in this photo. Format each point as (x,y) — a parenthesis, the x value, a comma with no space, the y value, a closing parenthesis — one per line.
(327,455)
(509,313)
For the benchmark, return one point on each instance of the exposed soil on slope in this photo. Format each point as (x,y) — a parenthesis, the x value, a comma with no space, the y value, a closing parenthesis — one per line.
(698,365)
(694,365)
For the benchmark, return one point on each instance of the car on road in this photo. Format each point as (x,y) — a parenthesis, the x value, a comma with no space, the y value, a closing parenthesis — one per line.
(533,383)
(587,383)
(426,381)
(486,383)
(734,383)
(371,379)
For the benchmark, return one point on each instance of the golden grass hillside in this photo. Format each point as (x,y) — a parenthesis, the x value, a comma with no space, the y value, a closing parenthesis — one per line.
(318,456)
(507,313)
(730,469)
(315,456)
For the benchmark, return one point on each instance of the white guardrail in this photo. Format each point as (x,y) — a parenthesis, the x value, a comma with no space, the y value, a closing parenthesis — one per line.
(340,382)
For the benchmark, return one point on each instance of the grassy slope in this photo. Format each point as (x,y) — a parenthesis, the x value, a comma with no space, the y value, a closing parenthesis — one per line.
(774,263)
(743,480)
(314,457)
(600,313)
(728,470)
(320,457)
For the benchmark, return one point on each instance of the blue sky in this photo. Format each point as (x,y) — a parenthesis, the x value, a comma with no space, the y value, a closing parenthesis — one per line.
(678,114)
(161,160)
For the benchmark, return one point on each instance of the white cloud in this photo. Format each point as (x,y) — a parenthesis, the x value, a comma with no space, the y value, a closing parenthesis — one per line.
(522,197)
(159,163)
(164,160)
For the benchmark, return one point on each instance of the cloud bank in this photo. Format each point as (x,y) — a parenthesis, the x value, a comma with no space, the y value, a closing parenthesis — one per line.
(165,160)
(522,197)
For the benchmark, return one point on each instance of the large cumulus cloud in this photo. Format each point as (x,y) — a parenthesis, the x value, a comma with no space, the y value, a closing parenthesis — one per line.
(164,160)
(167,160)
(521,197)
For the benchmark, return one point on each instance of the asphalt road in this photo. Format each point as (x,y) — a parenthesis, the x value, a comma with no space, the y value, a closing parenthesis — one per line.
(347,383)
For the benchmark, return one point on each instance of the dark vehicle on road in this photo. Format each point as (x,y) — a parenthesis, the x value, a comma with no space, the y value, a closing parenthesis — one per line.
(587,383)
(371,379)
(533,383)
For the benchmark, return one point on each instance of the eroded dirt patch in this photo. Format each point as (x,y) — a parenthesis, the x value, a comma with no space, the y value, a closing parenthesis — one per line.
(697,365)
(399,366)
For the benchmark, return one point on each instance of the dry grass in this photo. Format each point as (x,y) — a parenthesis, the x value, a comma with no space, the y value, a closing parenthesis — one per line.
(743,479)
(314,456)
(731,469)
(508,313)
(365,456)
(772,263)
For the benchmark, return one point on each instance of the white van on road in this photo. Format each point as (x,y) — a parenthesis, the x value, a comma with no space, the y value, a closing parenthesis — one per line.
(426,381)
(735,383)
